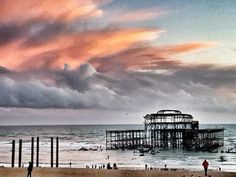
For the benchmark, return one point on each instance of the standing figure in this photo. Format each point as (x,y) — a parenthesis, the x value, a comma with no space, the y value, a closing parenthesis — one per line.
(205,164)
(30,169)
(109,166)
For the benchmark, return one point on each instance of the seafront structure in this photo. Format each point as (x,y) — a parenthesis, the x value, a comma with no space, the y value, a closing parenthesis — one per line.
(167,129)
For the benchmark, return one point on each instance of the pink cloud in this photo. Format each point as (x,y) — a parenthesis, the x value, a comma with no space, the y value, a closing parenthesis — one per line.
(42,37)
(148,57)
(25,10)
(72,48)
(139,15)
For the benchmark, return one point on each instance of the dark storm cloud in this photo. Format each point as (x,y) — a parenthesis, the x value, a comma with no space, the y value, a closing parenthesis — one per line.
(42,31)
(210,75)
(4,70)
(34,32)
(66,93)
(10,32)
(203,88)
(35,94)
(81,79)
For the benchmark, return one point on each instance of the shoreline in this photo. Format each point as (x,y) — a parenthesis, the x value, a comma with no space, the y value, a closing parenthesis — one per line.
(129,168)
(99,166)
(82,172)
(73,141)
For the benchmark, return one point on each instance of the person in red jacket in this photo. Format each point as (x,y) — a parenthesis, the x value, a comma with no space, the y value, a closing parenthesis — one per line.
(205,164)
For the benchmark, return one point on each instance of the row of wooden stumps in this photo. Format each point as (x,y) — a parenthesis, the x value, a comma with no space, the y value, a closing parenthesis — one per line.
(32,152)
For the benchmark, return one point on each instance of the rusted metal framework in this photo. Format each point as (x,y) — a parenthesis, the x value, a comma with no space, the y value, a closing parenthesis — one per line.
(121,139)
(203,139)
(167,129)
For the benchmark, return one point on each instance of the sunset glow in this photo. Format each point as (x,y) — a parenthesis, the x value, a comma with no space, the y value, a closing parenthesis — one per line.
(121,56)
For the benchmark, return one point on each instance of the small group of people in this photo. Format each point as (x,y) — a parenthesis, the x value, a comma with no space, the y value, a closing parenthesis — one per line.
(205,165)
(113,167)
(95,166)
(108,166)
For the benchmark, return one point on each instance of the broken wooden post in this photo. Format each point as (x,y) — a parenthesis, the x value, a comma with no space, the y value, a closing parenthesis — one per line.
(20,153)
(57,151)
(51,151)
(37,152)
(32,150)
(13,154)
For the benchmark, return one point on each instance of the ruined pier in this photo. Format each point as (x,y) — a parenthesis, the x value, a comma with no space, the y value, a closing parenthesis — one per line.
(167,129)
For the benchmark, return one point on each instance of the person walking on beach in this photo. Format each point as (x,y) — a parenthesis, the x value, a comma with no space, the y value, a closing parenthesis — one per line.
(30,169)
(205,164)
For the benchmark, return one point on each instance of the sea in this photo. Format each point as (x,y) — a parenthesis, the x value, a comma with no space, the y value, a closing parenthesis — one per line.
(92,137)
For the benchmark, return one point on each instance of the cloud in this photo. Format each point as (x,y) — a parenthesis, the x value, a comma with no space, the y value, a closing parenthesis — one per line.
(187,47)
(78,89)
(10,32)
(198,88)
(51,45)
(138,15)
(43,32)
(52,51)
(35,94)
(147,57)
(126,71)
(4,70)
(45,19)
(81,79)
(50,33)
(22,11)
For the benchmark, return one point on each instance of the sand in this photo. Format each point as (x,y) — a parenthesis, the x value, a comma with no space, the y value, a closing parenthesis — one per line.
(73,172)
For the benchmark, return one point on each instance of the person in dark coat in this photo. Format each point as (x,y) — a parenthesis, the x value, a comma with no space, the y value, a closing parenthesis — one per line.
(205,164)
(30,169)
(109,166)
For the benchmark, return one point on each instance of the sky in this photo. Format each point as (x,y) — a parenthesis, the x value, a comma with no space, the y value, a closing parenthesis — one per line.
(114,61)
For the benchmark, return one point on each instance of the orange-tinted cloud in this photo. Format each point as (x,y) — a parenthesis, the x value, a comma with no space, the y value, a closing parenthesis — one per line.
(44,34)
(138,15)
(26,10)
(187,47)
(148,57)
(72,48)
(102,48)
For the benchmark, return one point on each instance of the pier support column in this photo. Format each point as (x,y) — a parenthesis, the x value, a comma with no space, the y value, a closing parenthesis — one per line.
(51,151)
(57,151)
(37,152)
(20,153)
(32,150)
(106,140)
(13,153)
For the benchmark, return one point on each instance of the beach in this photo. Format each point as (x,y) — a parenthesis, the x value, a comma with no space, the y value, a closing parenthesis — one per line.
(77,172)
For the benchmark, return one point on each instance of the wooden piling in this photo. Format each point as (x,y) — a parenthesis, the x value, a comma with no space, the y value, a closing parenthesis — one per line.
(51,151)
(37,152)
(32,150)
(57,151)
(20,153)
(13,154)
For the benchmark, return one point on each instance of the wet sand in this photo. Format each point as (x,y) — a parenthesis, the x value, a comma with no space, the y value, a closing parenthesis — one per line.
(75,172)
